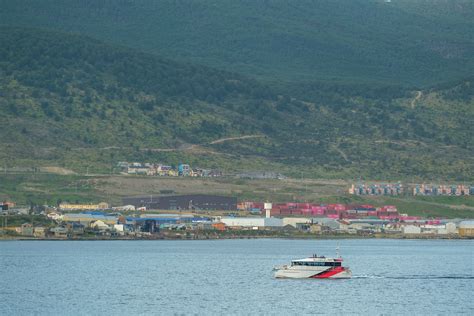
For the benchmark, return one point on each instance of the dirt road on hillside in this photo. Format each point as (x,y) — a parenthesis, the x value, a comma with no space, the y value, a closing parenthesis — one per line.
(221,140)
(419,94)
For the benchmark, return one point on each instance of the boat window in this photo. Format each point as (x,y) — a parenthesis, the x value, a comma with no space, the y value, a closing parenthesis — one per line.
(316,264)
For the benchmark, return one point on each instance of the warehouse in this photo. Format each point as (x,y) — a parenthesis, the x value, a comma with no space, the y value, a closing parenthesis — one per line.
(87,218)
(252,221)
(466,229)
(183,202)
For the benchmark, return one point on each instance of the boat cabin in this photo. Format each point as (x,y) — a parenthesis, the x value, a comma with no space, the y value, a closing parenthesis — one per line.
(317,261)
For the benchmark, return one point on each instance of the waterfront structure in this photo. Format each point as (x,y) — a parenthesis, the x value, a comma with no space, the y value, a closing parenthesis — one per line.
(466,229)
(60,231)
(39,232)
(252,222)
(411,229)
(439,229)
(26,229)
(219,226)
(316,228)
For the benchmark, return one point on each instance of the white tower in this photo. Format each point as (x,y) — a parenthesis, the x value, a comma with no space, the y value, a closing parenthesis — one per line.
(268,209)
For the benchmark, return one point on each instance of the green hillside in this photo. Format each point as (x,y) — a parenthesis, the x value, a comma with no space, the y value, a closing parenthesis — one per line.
(75,102)
(414,43)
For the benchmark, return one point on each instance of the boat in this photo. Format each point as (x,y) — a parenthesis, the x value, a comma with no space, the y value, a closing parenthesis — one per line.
(315,267)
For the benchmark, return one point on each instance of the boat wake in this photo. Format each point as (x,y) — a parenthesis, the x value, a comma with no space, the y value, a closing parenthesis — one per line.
(415,277)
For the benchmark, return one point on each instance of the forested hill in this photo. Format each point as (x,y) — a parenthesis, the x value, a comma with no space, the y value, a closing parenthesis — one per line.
(75,102)
(414,43)
(137,98)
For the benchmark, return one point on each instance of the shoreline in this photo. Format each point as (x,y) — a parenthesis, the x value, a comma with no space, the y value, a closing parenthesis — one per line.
(231,237)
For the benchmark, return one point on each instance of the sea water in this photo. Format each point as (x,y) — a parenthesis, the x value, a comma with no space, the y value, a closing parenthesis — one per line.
(390,277)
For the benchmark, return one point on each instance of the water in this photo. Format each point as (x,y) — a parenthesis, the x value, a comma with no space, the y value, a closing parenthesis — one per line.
(233,277)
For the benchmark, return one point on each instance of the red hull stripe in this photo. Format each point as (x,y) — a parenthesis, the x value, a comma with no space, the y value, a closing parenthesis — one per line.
(329,273)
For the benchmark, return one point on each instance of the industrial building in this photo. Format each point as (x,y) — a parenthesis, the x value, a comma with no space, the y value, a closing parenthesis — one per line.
(411,229)
(88,218)
(293,221)
(184,202)
(466,229)
(252,221)
(153,224)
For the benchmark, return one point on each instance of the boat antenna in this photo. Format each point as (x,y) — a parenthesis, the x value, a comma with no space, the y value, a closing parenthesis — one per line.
(337,251)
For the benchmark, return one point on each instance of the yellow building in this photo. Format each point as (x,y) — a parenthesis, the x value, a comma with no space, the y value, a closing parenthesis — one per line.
(466,229)
(83,207)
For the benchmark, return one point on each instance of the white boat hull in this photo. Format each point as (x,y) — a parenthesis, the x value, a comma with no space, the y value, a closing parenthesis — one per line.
(305,273)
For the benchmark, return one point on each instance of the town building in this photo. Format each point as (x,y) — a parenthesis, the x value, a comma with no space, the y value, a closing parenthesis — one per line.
(316,228)
(39,232)
(99,225)
(219,226)
(443,189)
(158,169)
(376,189)
(60,231)
(184,170)
(26,229)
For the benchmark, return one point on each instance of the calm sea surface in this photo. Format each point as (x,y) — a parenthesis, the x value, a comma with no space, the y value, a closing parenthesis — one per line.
(233,277)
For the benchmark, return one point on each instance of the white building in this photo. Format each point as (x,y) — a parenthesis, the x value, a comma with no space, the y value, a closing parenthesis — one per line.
(411,229)
(100,225)
(118,227)
(54,216)
(124,208)
(451,228)
(252,221)
(448,228)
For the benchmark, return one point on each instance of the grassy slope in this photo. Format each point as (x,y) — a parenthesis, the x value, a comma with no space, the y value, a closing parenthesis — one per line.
(50,189)
(414,43)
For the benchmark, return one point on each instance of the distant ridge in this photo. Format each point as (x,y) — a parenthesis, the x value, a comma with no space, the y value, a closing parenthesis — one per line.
(409,43)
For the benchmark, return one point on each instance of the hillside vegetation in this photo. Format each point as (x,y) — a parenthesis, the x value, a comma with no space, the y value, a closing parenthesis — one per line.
(78,103)
(409,43)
